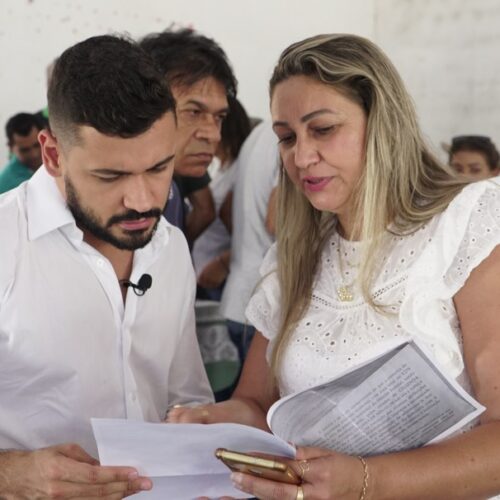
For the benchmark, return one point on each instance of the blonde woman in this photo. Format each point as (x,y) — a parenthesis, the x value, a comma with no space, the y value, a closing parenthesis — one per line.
(375,240)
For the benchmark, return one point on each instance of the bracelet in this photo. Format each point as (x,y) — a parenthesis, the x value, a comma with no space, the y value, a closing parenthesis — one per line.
(366,475)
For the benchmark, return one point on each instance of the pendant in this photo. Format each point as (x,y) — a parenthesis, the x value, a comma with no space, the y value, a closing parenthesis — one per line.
(344,294)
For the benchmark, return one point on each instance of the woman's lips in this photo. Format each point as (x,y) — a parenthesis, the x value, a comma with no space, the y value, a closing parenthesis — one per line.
(315,183)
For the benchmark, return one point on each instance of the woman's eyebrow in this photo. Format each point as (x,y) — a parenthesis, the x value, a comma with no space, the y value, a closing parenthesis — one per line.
(307,117)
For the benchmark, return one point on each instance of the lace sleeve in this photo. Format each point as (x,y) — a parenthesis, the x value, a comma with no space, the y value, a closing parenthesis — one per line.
(263,309)
(466,233)
(481,236)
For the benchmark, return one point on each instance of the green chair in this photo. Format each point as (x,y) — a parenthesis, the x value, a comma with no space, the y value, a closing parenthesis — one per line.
(222,377)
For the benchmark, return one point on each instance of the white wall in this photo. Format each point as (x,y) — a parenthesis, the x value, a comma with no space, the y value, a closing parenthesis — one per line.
(253,33)
(448,52)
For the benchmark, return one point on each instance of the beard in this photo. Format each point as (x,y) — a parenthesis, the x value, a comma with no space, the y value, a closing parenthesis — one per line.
(87,220)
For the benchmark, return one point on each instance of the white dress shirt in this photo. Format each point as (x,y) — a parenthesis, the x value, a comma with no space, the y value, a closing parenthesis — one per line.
(257,170)
(70,349)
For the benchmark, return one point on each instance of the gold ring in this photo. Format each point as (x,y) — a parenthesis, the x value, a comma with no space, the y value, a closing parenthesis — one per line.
(300,493)
(204,413)
(304,467)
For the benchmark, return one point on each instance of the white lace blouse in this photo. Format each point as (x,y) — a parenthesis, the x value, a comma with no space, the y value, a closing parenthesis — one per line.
(419,276)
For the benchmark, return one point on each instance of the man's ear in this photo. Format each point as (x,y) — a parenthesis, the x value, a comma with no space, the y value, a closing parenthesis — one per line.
(50,152)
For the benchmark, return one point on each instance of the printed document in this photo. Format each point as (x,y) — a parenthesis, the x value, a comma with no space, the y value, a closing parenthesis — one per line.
(396,401)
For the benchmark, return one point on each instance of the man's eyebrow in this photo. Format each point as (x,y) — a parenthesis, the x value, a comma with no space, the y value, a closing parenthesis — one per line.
(117,171)
(168,159)
(307,117)
(204,107)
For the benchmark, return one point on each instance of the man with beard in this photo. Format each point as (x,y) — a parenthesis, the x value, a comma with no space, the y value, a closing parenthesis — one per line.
(201,80)
(76,341)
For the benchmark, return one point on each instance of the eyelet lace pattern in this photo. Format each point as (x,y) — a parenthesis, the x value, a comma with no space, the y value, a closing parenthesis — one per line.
(418,277)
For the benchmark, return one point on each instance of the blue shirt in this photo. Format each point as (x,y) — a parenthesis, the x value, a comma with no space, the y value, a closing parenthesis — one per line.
(174,211)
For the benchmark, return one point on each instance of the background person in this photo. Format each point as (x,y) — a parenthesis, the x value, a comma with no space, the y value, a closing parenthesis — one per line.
(22,137)
(211,251)
(75,341)
(376,241)
(201,79)
(474,156)
(252,210)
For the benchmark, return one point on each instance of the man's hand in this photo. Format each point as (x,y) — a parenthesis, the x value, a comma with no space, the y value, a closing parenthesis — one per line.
(64,471)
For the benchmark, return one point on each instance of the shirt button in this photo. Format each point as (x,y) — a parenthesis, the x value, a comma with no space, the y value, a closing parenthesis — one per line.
(100,262)
(133,397)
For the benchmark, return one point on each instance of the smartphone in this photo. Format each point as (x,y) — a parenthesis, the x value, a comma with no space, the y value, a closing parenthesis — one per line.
(260,467)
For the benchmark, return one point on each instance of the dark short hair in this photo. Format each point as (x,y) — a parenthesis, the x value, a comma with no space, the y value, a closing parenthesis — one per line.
(186,57)
(236,127)
(21,124)
(109,83)
(477,143)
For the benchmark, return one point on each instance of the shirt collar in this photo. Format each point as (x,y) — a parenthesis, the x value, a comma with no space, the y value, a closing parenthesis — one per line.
(46,207)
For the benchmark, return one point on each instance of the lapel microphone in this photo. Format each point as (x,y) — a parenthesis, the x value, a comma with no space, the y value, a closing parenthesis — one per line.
(141,287)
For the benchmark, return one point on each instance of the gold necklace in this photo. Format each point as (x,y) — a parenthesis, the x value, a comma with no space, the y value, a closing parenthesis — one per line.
(344,291)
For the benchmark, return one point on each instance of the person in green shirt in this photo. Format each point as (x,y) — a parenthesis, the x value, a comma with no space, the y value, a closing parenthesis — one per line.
(22,135)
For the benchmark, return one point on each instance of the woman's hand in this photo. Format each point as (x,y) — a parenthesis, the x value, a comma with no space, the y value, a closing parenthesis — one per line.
(188,415)
(250,401)
(325,475)
(235,411)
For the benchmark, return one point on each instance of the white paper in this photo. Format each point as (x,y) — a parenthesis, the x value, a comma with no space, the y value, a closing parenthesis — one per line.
(179,458)
(397,401)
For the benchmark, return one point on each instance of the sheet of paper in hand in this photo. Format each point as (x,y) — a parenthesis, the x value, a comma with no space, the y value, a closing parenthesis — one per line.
(399,400)
(179,458)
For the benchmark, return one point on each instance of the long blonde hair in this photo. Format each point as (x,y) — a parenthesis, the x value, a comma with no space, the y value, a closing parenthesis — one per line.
(403,185)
